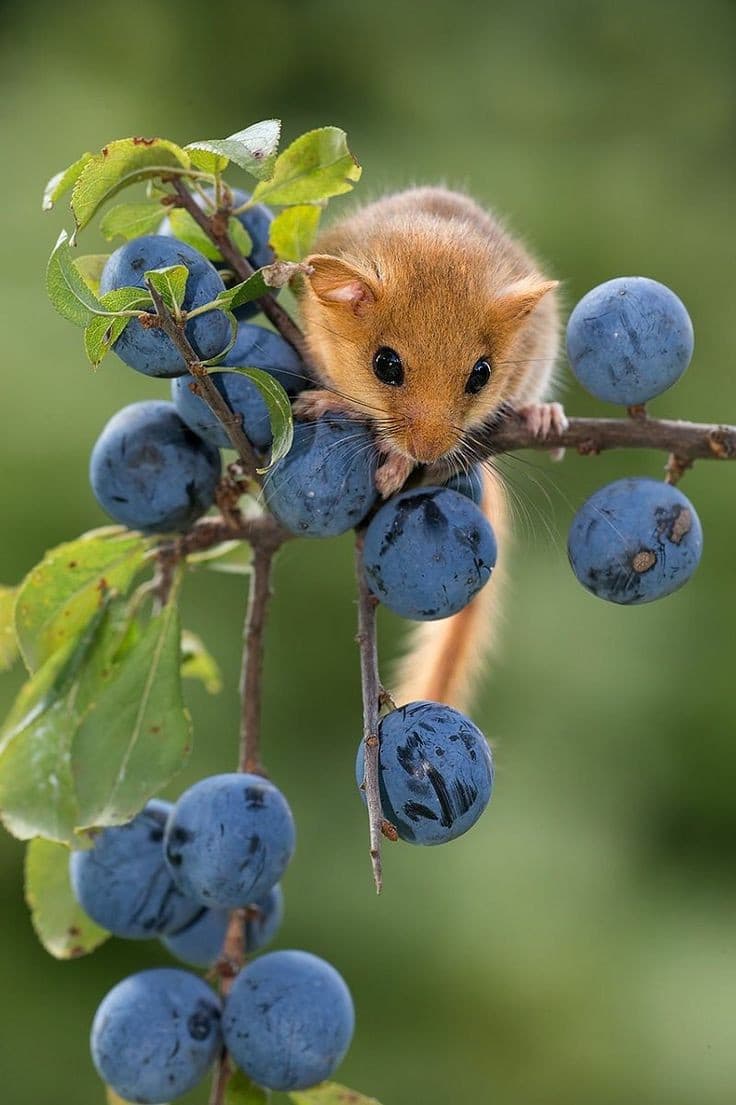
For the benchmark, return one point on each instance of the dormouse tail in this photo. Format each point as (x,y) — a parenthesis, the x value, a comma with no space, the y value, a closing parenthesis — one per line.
(446,657)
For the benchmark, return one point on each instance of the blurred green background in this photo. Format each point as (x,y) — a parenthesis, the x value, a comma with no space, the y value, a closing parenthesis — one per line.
(579,946)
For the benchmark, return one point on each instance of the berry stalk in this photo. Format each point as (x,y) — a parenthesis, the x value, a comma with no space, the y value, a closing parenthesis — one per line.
(372,692)
(231,422)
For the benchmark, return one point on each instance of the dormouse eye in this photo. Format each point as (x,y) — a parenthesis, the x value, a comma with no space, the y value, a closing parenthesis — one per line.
(388,367)
(478,378)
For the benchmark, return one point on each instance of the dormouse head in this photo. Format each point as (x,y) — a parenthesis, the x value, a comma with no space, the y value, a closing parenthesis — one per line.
(425,350)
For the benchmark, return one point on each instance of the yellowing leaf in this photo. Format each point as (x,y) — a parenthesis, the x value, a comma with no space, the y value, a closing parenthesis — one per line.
(119,164)
(61,594)
(184,228)
(61,924)
(198,663)
(293,231)
(170,283)
(90,268)
(231,557)
(61,182)
(329,1093)
(8,638)
(314,167)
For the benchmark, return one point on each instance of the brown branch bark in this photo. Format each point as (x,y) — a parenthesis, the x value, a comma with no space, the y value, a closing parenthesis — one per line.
(228,966)
(231,422)
(688,441)
(216,230)
(373,692)
(253,644)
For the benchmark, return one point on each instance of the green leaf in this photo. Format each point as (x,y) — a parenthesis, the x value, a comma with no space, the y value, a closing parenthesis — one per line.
(198,663)
(293,231)
(135,734)
(187,230)
(68,292)
(61,924)
(231,557)
(130,220)
(329,1093)
(314,167)
(241,1091)
(241,239)
(8,638)
(184,227)
(170,283)
(119,164)
(104,330)
(90,269)
(253,149)
(279,409)
(255,287)
(98,730)
(60,596)
(37,796)
(61,182)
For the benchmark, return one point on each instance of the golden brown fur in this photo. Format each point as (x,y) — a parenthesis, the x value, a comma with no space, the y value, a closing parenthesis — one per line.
(430,274)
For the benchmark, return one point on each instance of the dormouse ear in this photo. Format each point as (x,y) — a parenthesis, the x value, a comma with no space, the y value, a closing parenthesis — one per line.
(338,283)
(517,300)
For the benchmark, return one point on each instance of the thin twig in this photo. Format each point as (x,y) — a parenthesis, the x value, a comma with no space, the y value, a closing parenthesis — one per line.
(232,958)
(231,423)
(215,227)
(227,968)
(251,676)
(686,440)
(212,531)
(372,695)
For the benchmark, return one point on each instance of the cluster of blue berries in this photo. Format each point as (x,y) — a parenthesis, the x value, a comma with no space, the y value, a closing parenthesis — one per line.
(173,873)
(634,540)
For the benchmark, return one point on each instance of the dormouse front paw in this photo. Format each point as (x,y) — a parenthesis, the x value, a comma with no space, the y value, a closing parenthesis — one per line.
(543,419)
(393,473)
(311,405)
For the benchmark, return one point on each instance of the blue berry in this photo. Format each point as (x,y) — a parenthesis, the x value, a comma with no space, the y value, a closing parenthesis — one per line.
(200,942)
(288,1020)
(629,340)
(435,772)
(325,485)
(468,483)
(243,398)
(156,1034)
(634,541)
(148,349)
(150,472)
(229,839)
(123,883)
(257,347)
(428,552)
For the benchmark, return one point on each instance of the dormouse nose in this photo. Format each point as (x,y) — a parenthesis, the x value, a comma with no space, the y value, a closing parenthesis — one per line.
(428,441)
